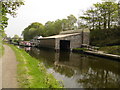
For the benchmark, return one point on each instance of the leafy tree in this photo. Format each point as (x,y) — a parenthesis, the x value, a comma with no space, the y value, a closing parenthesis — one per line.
(68,24)
(33,30)
(53,28)
(90,17)
(71,21)
(57,26)
(8,7)
(102,15)
(64,24)
(108,11)
(50,28)
(16,38)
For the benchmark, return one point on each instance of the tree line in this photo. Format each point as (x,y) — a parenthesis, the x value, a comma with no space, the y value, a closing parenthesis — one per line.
(101,15)
(50,27)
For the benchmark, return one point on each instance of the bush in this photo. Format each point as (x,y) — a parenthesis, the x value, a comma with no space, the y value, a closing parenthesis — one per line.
(106,37)
(111,49)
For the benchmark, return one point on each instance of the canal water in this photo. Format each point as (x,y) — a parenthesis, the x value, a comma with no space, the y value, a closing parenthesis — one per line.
(79,70)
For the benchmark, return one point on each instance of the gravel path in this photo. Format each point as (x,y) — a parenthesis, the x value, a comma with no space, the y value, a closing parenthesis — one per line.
(9,69)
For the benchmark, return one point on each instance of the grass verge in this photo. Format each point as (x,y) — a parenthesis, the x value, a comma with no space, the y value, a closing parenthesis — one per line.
(111,49)
(81,49)
(32,73)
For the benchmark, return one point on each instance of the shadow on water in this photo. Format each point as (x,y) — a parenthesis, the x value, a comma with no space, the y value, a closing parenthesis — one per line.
(79,70)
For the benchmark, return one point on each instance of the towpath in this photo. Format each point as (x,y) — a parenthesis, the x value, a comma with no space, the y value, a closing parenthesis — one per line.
(9,69)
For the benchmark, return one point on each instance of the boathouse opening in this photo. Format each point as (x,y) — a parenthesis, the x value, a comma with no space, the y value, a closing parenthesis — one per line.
(65,45)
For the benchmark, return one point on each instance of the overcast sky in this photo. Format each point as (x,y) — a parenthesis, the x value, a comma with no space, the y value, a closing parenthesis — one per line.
(43,11)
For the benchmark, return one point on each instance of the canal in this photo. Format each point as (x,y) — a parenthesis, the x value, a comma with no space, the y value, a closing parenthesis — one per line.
(79,70)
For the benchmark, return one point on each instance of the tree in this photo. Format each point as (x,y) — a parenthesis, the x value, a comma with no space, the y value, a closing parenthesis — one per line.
(16,38)
(71,21)
(108,11)
(64,24)
(102,15)
(91,17)
(58,26)
(35,29)
(53,28)
(8,7)
(50,27)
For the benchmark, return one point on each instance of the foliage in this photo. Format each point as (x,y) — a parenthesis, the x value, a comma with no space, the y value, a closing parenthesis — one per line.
(16,38)
(8,7)
(111,49)
(2,34)
(101,15)
(81,49)
(70,22)
(32,73)
(105,37)
(33,30)
(50,27)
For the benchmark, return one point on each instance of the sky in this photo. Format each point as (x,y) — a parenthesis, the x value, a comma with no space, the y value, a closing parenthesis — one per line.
(45,10)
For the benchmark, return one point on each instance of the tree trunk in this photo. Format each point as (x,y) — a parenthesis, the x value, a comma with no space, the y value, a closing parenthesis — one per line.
(105,20)
(99,24)
(93,22)
(109,20)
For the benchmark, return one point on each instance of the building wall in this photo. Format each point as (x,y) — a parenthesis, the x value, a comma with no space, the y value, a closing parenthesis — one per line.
(48,43)
(75,41)
(86,38)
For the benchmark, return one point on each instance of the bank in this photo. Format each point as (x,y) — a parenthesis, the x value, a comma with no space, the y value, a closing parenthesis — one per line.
(111,52)
(32,73)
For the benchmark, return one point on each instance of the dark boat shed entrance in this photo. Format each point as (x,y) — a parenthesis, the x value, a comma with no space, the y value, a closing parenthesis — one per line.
(64,44)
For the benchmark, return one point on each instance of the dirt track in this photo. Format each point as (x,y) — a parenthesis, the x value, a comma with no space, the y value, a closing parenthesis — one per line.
(9,69)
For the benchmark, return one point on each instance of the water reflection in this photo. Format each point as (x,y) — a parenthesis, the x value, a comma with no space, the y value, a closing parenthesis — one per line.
(80,71)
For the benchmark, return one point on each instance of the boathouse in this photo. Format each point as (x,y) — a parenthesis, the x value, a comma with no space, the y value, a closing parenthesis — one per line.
(66,40)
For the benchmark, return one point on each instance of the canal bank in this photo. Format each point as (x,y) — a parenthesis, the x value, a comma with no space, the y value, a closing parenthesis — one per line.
(104,55)
(98,53)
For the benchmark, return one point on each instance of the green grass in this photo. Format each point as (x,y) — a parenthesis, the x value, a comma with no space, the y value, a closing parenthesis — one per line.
(32,73)
(81,49)
(111,49)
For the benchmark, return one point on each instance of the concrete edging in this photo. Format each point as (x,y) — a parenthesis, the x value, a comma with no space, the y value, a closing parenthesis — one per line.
(99,54)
